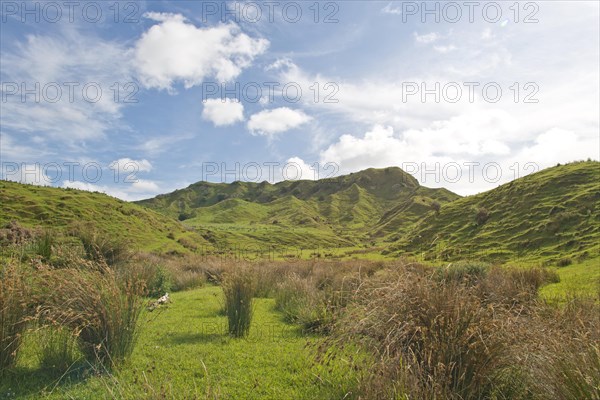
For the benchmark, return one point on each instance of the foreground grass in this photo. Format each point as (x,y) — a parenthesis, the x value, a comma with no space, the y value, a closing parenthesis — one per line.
(185,352)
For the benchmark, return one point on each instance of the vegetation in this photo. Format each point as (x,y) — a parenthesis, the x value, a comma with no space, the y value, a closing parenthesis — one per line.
(543,217)
(238,290)
(68,210)
(401,311)
(13,313)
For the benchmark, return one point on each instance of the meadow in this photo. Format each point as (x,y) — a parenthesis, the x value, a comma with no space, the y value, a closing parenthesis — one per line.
(79,319)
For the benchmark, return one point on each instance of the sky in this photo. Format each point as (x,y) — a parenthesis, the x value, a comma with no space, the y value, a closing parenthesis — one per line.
(140,98)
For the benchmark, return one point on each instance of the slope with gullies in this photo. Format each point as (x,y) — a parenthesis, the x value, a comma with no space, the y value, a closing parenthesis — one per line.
(551,215)
(332,212)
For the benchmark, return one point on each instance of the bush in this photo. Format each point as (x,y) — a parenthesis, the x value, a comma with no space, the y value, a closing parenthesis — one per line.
(482,216)
(565,261)
(238,289)
(14,311)
(159,281)
(101,307)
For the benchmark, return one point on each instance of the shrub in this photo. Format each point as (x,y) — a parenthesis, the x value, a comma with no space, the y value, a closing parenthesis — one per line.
(101,307)
(563,262)
(238,289)
(509,287)
(482,215)
(159,282)
(13,312)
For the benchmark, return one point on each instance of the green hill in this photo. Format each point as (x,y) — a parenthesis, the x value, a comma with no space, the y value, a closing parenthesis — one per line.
(551,215)
(62,209)
(333,212)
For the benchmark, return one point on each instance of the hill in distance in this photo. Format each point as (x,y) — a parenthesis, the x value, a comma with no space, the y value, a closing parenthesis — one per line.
(62,209)
(551,216)
(334,212)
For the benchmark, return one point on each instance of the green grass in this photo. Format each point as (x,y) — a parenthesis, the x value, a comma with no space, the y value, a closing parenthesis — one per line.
(344,211)
(64,209)
(184,351)
(542,217)
(576,279)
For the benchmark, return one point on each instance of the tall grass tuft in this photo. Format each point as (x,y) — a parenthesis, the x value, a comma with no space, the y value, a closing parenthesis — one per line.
(302,303)
(101,307)
(42,245)
(58,349)
(430,339)
(238,288)
(100,247)
(14,311)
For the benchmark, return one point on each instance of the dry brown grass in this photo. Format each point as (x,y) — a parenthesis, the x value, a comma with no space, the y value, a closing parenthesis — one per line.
(14,311)
(466,338)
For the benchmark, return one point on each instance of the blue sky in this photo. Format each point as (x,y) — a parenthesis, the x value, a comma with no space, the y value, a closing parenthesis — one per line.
(462,96)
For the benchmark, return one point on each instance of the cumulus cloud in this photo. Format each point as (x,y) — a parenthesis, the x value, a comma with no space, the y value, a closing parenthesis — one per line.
(296,169)
(175,50)
(144,186)
(271,122)
(223,112)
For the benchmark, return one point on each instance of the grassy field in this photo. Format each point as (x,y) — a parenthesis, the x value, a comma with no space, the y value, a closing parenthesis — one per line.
(402,295)
(184,351)
(576,279)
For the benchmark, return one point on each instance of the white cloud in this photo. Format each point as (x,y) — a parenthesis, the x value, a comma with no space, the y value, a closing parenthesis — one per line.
(487,34)
(127,165)
(139,190)
(144,186)
(297,169)
(176,51)
(58,111)
(32,174)
(223,112)
(390,9)
(458,144)
(271,122)
(426,38)
(556,145)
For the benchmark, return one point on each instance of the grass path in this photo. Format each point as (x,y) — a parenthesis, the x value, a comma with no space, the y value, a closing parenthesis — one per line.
(183,352)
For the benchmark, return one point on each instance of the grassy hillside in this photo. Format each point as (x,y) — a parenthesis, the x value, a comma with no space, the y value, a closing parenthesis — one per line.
(333,212)
(63,209)
(551,215)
